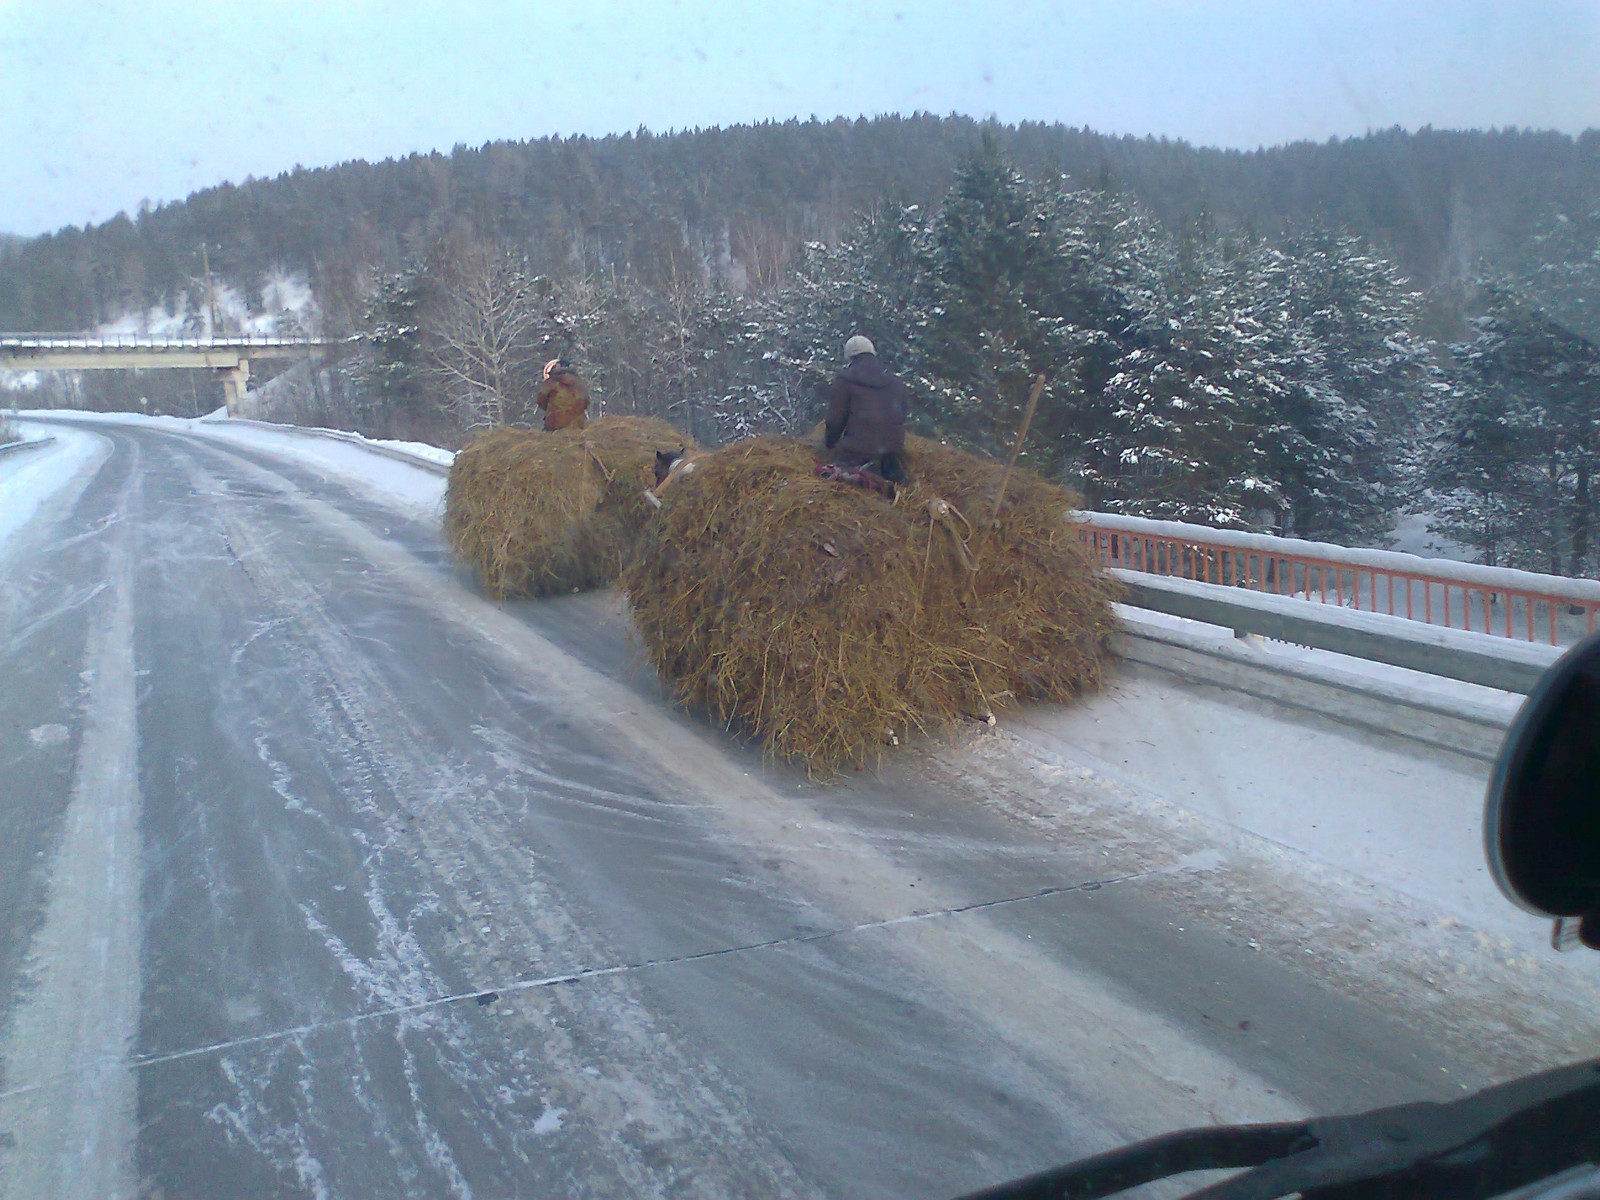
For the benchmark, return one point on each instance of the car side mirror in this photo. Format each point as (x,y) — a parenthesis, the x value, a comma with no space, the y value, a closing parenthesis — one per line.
(1541,820)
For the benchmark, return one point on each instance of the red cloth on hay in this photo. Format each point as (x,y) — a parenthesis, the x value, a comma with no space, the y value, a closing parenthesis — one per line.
(859,477)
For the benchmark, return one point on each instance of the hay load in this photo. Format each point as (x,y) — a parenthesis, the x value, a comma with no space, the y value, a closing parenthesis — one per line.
(540,514)
(827,622)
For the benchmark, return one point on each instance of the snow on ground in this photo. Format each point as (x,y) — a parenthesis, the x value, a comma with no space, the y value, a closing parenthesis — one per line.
(1380,811)
(1355,857)
(414,490)
(20,381)
(287,305)
(434,454)
(29,479)
(1398,682)
(1411,536)
(292,390)
(287,293)
(1364,850)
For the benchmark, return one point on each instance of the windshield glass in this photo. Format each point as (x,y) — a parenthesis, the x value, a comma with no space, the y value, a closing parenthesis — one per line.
(636,599)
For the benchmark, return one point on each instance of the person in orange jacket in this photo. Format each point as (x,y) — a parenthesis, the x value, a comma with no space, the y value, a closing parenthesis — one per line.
(563,397)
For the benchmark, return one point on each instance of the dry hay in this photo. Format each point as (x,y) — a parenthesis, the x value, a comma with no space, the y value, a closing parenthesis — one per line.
(537,514)
(828,622)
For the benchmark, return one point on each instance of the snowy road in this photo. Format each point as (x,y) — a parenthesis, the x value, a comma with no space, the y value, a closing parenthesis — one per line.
(325,877)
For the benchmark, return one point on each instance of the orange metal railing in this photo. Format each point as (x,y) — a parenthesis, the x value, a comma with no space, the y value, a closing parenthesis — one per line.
(1507,603)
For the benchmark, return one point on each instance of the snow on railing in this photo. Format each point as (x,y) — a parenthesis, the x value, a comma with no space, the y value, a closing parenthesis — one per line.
(1497,600)
(149,341)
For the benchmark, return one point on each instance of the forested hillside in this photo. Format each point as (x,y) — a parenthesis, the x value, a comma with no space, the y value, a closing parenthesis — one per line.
(742,200)
(1313,339)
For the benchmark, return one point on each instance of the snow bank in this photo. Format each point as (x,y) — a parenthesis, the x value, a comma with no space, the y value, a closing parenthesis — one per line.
(1378,809)
(31,479)
(77,416)
(420,450)
(416,489)
(438,454)
(406,476)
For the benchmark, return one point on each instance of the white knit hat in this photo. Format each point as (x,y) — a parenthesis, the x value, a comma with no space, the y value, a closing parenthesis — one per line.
(858,345)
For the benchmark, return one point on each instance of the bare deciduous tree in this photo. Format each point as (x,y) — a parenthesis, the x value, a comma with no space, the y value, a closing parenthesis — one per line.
(679,354)
(482,348)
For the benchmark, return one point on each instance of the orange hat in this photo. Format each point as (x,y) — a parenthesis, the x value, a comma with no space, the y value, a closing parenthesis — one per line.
(551,366)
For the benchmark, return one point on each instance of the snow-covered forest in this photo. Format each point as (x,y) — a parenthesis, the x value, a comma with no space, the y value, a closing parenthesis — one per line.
(1191,374)
(1306,355)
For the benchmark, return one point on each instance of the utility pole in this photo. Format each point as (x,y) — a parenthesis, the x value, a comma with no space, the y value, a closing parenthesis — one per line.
(211,295)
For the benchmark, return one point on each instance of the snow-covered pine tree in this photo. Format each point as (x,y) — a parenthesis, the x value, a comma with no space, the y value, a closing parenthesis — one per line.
(1004,305)
(1175,421)
(873,282)
(1560,269)
(392,368)
(1515,465)
(1241,392)
(730,396)
(1193,376)
(1360,379)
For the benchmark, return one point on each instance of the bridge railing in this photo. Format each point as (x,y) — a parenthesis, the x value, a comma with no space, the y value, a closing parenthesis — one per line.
(1514,604)
(153,341)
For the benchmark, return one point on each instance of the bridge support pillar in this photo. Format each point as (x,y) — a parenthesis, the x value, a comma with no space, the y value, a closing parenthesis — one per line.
(234,381)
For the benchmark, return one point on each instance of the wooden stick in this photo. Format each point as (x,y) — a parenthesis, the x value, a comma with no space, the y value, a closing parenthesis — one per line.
(1016,449)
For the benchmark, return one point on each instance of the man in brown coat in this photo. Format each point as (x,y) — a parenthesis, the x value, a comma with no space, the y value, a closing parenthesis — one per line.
(866,423)
(563,397)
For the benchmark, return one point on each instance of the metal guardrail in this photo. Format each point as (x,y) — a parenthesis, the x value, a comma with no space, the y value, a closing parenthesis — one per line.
(1476,658)
(1518,605)
(25,444)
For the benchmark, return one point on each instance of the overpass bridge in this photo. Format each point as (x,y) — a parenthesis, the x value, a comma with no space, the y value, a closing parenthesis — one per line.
(228,355)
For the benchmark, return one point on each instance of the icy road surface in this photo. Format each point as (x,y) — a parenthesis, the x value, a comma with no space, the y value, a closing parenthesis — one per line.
(322,876)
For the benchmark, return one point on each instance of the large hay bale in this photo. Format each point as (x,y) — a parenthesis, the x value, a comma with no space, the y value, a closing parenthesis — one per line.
(826,621)
(537,514)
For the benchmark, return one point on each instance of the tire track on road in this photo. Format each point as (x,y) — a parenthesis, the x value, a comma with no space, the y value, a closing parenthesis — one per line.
(1096,1037)
(440,816)
(80,1016)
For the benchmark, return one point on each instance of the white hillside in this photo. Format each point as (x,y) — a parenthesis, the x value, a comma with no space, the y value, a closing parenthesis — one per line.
(287,306)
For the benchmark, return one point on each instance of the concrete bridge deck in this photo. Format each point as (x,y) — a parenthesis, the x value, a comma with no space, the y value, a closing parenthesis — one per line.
(229,354)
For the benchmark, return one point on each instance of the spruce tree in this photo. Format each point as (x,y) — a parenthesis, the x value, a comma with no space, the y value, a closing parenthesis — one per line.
(999,313)
(1515,465)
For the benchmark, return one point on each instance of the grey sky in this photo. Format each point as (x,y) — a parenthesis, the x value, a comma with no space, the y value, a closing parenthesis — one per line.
(103,105)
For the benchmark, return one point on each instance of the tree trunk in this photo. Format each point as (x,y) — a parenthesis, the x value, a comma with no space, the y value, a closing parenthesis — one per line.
(1582,507)
(1552,475)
